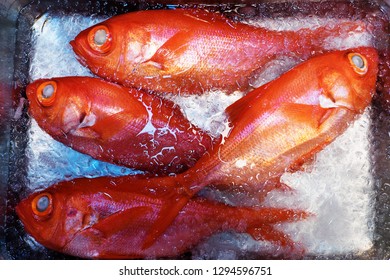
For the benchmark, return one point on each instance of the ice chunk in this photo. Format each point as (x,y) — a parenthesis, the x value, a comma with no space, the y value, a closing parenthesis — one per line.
(52,56)
(337,187)
(207,110)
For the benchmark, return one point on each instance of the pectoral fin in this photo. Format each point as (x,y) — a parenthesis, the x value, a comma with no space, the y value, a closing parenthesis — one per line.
(122,220)
(238,108)
(268,217)
(169,55)
(311,115)
(103,128)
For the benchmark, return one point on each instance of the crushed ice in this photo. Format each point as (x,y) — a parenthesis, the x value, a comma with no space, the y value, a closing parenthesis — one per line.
(337,189)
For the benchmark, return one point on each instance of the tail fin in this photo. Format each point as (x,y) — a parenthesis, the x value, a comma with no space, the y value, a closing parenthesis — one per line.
(174,193)
(167,215)
(330,36)
(261,226)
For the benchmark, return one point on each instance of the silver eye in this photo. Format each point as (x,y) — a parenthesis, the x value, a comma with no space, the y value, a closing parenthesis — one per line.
(358,61)
(48,91)
(100,37)
(43,203)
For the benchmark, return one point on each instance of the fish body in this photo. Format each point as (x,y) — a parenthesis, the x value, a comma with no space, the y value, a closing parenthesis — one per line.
(279,126)
(104,218)
(123,126)
(274,129)
(187,50)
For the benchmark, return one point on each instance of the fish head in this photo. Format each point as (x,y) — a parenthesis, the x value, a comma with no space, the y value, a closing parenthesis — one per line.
(106,47)
(56,105)
(41,214)
(348,79)
(54,217)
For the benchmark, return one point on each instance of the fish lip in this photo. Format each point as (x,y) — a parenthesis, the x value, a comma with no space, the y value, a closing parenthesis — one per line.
(20,213)
(23,217)
(74,46)
(80,53)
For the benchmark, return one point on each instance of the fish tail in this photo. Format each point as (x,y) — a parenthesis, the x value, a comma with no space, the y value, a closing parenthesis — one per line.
(261,225)
(327,37)
(165,218)
(176,193)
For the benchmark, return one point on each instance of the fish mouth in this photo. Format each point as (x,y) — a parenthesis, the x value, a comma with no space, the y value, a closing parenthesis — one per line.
(19,211)
(24,216)
(79,51)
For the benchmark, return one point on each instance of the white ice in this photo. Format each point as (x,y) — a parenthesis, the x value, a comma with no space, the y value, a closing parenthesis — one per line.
(337,187)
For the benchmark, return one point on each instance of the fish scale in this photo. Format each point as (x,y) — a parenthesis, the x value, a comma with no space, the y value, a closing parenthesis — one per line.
(118,125)
(271,109)
(113,222)
(187,51)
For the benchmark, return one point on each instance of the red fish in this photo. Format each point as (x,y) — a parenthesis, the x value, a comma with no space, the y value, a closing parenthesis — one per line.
(279,126)
(115,124)
(189,51)
(104,218)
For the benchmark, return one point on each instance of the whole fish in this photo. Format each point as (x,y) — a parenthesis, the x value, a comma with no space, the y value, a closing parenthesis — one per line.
(189,50)
(104,218)
(278,127)
(123,126)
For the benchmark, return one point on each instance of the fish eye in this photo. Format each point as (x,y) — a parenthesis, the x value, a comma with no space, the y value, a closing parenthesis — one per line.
(42,205)
(358,62)
(99,39)
(46,93)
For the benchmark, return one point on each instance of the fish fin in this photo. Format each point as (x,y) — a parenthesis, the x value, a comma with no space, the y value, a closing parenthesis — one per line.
(269,215)
(267,232)
(271,185)
(206,17)
(312,115)
(306,161)
(262,228)
(169,54)
(167,215)
(121,220)
(276,184)
(85,132)
(235,110)
(175,194)
(106,128)
(284,187)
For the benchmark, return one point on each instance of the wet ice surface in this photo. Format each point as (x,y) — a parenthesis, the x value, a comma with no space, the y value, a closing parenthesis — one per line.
(51,161)
(338,190)
(337,187)
(52,55)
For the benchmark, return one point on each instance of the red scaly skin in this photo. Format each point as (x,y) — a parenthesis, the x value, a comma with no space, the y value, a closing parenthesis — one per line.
(122,126)
(278,127)
(191,51)
(107,218)
(275,129)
